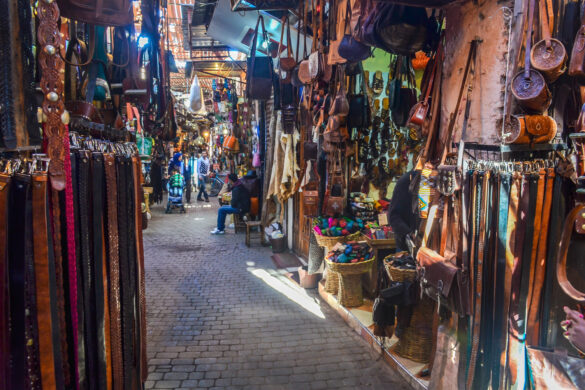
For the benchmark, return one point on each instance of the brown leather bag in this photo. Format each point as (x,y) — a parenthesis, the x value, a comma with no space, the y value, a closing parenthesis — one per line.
(311,195)
(100,12)
(334,205)
(548,55)
(529,86)
(577,62)
(576,216)
(420,111)
(551,370)
(530,129)
(340,104)
(288,63)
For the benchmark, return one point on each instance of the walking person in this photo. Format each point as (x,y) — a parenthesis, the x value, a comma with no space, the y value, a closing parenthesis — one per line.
(240,203)
(187,175)
(203,168)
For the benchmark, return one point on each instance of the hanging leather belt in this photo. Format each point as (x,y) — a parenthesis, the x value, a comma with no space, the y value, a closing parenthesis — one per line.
(500,272)
(58,259)
(86,267)
(99,277)
(477,253)
(4,292)
(520,280)
(126,288)
(558,210)
(43,290)
(114,271)
(81,361)
(539,264)
(512,230)
(17,235)
(138,195)
(7,125)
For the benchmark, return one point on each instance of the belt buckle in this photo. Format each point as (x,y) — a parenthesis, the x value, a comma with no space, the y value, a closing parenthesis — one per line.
(40,163)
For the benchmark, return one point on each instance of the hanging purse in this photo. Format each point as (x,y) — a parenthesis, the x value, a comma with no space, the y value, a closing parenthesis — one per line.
(340,104)
(530,129)
(287,63)
(335,201)
(548,56)
(260,69)
(349,48)
(529,86)
(443,275)
(402,98)
(310,195)
(420,111)
(103,13)
(359,108)
(577,62)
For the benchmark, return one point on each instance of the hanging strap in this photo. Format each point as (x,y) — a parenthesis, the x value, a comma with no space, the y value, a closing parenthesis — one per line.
(531,7)
(468,69)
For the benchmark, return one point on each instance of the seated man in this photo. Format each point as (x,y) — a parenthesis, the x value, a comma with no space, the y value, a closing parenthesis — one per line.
(240,203)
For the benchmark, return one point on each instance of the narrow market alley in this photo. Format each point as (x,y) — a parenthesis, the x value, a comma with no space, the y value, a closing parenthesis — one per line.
(221,316)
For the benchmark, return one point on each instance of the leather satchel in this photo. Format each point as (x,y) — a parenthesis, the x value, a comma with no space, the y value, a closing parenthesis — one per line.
(577,62)
(530,129)
(340,104)
(260,69)
(444,276)
(402,98)
(552,370)
(350,48)
(529,86)
(287,63)
(548,55)
(103,12)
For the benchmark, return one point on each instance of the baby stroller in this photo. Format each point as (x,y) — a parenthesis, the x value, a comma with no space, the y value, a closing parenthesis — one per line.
(175,198)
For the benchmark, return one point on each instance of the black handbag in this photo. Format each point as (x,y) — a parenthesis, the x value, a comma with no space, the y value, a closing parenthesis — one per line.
(359,108)
(399,29)
(260,69)
(402,98)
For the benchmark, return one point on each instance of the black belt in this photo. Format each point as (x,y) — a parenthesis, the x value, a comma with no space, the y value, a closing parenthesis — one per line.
(86,268)
(20,204)
(81,368)
(4,292)
(126,288)
(7,125)
(98,265)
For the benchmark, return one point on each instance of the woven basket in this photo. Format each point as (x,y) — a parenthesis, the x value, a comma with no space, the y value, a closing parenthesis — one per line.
(350,281)
(398,274)
(416,341)
(329,242)
(332,282)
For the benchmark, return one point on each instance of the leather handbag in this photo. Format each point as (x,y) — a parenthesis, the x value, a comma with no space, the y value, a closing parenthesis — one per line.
(577,61)
(575,219)
(444,276)
(420,111)
(340,104)
(260,69)
(335,201)
(349,48)
(359,108)
(529,86)
(551,370)
(548,56)
(402,98)
(530,129)
(310,195)
(103,13)
(310,150)
(287,63)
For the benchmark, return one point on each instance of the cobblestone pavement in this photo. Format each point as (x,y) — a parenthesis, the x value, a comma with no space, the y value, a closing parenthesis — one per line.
(220,316)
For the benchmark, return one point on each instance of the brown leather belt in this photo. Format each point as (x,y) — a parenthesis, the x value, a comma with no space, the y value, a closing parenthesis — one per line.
(138,196)
(43,293)
(58,259)
(114,271)
(4,293)
(538,261)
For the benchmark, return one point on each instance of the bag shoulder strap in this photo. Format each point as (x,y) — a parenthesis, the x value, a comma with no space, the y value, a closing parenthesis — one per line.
(429,224)
(561,267)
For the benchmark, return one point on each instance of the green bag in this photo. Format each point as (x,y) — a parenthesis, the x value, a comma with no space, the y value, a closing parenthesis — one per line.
(144,145)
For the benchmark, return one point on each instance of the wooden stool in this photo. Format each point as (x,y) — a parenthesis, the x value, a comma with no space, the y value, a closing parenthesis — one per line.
(251,224)
(239,223)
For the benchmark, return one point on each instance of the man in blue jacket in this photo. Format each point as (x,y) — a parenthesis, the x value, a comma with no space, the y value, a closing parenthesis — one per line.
(240,203)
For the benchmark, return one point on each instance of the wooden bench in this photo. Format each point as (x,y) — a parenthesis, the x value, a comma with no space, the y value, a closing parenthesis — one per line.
(249,226)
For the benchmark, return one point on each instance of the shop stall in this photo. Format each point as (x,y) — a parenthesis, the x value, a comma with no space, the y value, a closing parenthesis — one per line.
(424,165)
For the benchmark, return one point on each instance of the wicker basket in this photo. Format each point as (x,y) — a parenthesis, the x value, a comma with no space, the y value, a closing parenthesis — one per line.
(350,281)
(329,242)
(398,274)
(331,281)
(416,340)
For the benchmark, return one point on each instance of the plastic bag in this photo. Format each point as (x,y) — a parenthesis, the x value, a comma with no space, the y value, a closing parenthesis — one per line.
(195,102)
